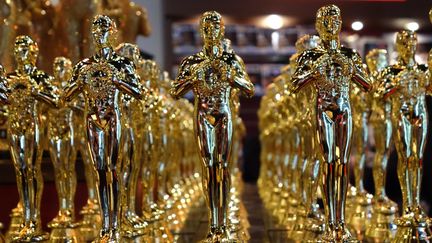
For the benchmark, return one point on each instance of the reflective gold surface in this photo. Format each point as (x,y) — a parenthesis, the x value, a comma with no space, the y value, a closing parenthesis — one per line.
(29,90)
(139,140)
(14,226)
(63,155)
(381,227)
(407,84)
(212,74)
(132,224)
(102,78)
(331,68)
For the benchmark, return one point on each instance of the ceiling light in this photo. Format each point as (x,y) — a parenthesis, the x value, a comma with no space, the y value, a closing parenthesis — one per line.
(413,26)
(357,25)
(274,21)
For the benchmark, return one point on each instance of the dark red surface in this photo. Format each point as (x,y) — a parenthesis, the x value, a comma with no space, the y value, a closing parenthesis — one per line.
(9,199)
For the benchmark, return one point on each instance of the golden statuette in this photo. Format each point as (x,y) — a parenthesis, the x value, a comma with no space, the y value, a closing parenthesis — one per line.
(63,154)
(309,223)
(132,224)
(382,226)
(213,74)
(16,216)
(331,68)
(103,78)
(156,142)
(406,86)
(29,90)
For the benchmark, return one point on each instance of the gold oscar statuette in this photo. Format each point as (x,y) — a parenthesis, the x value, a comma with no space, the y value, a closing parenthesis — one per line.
(213,74)
(102,79)
(29,91)
(63,154)
(331,68)
(382,226)
(407,84)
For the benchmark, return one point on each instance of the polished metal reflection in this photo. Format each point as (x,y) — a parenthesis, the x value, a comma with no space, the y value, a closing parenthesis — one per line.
(102,78)
(63,155)
(30,90)
(132,224)
(331,68)
(381,227)
(406,89)
(309,222)
(212,74)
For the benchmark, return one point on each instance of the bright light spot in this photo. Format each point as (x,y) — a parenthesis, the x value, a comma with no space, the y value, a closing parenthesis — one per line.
(273,21)
(413,26)
(275,39)
(357,25)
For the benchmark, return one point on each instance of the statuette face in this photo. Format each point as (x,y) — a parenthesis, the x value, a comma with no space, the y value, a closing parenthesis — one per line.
(62,68)
(104,31)
(212,28)
(376,61)
(328,22)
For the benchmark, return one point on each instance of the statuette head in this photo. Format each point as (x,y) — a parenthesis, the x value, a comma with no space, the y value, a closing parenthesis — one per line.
(62,68)
(307,42)
(130,51)
(328,21)
(376,60)
(104,31)
(26,50)
(406,43)
(212,27)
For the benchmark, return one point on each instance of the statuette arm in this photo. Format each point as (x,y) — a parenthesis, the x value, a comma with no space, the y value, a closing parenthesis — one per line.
(44,91)
(302,76)
(304,73)
(361,78)
(388,85)
(131,83)
(75,85)
(50,98)
(241,79)
(184,81)
(4,90)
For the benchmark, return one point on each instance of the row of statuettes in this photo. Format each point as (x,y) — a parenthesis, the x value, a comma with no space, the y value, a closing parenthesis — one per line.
(317,109)
(143,130)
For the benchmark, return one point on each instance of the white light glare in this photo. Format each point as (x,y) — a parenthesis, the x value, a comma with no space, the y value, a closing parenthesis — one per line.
(274,21)
(357,25)
(413,26)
